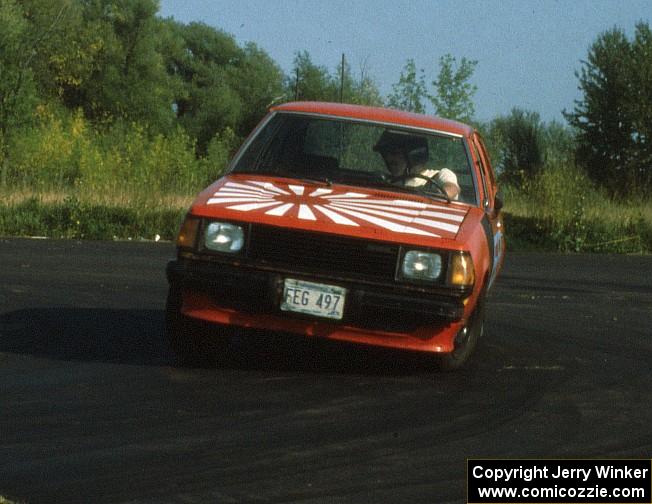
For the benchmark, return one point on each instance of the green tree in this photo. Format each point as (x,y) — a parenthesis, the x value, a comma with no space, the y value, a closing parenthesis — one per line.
(453,96)
(63,48)
(17,89)
(640,107)
(361,91)
(364,90)
(258,81)
(410,92)
(128,77)
(613,119)
(309,81)
(207,103)
(517,142)
(222,85)
(558,144)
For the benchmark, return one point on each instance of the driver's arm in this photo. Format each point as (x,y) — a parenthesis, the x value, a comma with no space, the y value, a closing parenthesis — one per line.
(448,180)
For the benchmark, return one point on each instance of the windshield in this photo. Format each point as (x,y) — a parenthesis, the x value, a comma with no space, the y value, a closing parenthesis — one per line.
(364,154)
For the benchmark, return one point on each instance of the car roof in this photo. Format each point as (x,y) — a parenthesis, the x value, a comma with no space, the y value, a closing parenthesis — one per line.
(377,114)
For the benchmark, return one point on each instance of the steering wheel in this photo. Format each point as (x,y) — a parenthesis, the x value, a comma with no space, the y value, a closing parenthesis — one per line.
(429,180)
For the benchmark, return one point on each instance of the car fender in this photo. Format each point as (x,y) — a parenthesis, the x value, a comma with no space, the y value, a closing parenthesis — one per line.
(477,238)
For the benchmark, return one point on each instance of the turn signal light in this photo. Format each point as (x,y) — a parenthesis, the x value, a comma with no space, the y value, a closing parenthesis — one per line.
(187,237)
(461,272)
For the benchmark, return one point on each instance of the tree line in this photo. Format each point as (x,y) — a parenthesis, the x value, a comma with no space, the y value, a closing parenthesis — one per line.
(119,62)
(609,130)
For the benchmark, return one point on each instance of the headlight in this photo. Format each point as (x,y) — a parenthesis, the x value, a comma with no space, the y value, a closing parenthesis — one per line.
(224,237)
(421,265)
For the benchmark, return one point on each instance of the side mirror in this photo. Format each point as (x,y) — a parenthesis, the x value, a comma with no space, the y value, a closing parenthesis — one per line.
(498,203)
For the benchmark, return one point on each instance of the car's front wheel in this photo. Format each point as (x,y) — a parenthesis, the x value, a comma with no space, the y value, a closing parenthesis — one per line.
(466,340)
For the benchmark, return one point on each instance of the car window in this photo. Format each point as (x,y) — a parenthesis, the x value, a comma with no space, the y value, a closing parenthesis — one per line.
(483,179)
(488,177)
(449,152)
(486,161)
(349,143)
(347,151)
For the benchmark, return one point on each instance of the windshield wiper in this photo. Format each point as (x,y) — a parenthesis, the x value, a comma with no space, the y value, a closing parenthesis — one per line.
(316,180)
(440,188)
(430,194)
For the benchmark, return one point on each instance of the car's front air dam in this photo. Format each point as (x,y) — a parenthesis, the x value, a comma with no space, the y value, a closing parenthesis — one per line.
(436,339)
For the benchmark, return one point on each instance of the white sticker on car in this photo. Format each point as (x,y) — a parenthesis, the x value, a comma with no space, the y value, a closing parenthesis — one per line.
(343,208)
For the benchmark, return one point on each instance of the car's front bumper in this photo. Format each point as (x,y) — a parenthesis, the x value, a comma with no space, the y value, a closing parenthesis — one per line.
(376,315)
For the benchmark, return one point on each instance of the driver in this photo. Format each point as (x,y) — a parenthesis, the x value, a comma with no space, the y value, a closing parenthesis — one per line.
(406,154)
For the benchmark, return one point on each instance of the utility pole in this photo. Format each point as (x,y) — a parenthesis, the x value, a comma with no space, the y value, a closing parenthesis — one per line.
(342,81)
(296,86)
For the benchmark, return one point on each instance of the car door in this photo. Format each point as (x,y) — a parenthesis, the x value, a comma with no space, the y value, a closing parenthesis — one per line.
(492,206)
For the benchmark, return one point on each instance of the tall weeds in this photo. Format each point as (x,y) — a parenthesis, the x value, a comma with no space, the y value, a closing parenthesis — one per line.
(561,209)
(117,164)
(65,177)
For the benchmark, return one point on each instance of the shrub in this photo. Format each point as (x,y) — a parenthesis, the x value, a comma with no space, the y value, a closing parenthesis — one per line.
(50,153)
(561,209)
(219,151)
(65,154)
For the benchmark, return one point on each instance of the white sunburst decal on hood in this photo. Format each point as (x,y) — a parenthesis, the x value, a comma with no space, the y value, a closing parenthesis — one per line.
(342,208)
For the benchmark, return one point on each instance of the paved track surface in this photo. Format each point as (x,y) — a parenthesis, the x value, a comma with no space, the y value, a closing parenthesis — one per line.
(93,408)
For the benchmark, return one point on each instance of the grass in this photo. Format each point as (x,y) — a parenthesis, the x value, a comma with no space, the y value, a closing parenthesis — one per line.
(116,197)
(562,210)
(57,215)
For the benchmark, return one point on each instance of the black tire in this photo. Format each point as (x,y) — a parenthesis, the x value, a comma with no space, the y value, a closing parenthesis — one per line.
(465,342)
(194,343)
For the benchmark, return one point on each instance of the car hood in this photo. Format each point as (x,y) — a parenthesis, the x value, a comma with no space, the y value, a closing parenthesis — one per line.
(338,209)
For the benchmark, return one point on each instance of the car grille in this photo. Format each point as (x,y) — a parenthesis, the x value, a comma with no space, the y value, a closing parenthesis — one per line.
(322,253)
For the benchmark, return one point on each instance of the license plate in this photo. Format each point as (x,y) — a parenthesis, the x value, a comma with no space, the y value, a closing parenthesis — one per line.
(313,299)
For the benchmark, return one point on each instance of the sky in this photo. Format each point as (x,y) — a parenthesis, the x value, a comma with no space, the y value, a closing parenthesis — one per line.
(527,51)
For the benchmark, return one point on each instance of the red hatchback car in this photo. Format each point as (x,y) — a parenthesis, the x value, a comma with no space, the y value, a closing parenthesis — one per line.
(351,223)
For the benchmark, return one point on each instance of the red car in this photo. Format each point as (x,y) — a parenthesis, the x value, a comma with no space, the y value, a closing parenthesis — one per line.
(317,230)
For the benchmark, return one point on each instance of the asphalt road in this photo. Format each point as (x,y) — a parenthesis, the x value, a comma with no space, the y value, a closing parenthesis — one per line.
(93,409)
